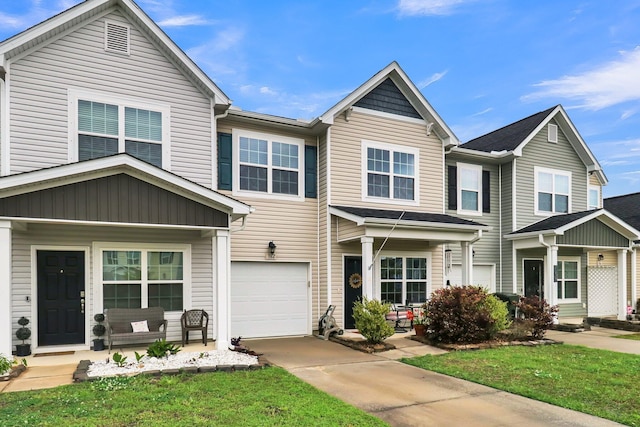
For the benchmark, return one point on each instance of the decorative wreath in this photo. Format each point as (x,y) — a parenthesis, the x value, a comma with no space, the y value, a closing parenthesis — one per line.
(355,280)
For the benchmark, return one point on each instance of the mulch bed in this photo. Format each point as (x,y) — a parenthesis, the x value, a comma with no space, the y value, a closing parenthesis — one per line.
(485,345)
(361,344)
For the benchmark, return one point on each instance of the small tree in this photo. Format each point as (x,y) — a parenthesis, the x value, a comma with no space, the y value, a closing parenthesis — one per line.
(370,317)
(537,314)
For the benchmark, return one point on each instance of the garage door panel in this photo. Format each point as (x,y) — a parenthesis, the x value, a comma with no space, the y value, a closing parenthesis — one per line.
(483,275)
(269,299)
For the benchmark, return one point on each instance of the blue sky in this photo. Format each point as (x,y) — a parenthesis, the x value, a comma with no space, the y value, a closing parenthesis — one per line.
(482,64)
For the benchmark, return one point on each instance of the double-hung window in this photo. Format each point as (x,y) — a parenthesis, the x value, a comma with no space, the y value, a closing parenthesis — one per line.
(594,197)
(470,189)
(553,191)
(135,278)
(389,172)
(268,164)
(403,279)
(107,125)
(569,280)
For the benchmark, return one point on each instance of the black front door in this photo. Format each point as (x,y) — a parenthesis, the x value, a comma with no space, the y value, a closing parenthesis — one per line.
(533,278)
(61,298)
(352,287)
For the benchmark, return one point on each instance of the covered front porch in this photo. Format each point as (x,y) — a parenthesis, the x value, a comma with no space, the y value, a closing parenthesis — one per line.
(576,261)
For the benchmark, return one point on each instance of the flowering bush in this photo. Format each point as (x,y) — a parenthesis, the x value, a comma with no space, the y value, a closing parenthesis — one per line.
(537,314)
(421,317)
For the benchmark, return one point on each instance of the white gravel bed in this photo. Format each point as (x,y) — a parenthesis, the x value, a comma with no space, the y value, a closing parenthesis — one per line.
(109,368)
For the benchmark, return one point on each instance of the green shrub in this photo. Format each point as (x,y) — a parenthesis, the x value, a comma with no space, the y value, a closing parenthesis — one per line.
(371,321)
(465,314)
(162,348)
(5,364)
(537,314)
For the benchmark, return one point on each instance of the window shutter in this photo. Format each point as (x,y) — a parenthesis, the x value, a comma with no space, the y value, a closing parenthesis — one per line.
(310,171)
(225,165)
(453,188)
(486,191)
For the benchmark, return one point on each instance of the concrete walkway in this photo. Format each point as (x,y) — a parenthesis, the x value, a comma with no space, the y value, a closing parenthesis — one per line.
(597,337)
(404,395)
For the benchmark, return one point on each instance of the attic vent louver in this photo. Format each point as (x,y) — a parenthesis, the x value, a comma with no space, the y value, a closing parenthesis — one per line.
(552,133)
(116,38)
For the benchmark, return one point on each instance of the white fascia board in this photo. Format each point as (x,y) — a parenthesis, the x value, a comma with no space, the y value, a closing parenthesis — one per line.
(21,222)
(519,148)
(426,225)
(493,157)
(522,236)
(619,225)
(346,215)
(106,166)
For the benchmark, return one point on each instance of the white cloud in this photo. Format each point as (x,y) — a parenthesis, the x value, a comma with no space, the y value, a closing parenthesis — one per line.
(12,21)
(266,90)
(183,21)
(431,79)
(485,111)
(429,7)
(35,14)
(608,84)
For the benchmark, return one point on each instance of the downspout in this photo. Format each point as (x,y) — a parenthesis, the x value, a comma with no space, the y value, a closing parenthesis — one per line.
(500,221)
(329,225)
(318,229)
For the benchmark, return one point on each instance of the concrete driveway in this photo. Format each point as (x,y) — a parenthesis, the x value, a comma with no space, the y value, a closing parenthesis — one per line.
(403,395)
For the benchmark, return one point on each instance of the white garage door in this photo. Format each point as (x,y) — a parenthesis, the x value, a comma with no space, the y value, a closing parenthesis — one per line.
(269,299)
(483,275)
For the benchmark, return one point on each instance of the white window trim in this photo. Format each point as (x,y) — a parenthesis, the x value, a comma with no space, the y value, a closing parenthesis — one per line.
(236,134)
(365,144)
(552,133)
(75,95)
(579,298)
(401,254)
(478,170)
(99,247)
(536,171)
(589,190)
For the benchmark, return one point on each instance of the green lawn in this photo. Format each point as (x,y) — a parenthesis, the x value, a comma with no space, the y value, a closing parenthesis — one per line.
(597,382)
(635,337)
(265,397)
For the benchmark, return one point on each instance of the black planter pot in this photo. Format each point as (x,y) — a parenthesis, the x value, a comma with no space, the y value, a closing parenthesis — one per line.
(98,344)
(23,349)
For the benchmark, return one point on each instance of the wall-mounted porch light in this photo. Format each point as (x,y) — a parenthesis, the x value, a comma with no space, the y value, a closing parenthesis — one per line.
(272,249)
(448,259)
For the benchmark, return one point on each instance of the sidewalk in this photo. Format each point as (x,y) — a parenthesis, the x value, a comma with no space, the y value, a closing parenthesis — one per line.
(598,337)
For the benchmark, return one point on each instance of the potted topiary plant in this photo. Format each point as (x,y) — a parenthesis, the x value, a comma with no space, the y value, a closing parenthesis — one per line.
(23,333)
(98,331)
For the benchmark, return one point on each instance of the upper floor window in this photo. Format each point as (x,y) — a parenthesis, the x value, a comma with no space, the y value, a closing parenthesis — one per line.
(470,189)
(553,191)
(107,126)
(389,171)
(268,164)
(594,197)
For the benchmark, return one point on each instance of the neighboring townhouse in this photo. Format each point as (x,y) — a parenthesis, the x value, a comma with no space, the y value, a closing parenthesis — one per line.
(627,208)
(106,165)
(537,182)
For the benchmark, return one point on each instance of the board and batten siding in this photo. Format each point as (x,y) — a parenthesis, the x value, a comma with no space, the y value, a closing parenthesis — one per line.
(39,99)
(559,156)
(346,159)
(291,224)
(61,237)
(593,233)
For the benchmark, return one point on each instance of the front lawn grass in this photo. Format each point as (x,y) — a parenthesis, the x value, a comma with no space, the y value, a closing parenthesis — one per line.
(265,397)
(635,337)
(597,382)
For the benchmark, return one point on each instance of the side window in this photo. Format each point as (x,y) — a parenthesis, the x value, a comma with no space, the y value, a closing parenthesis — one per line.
(469,189)
(594,197)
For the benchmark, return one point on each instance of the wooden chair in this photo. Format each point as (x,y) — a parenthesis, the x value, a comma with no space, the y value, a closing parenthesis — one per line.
(194,320)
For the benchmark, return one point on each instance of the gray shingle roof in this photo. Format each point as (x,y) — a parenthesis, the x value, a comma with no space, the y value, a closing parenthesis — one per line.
(509,137)
(553,222)
(626,207)
(408,216)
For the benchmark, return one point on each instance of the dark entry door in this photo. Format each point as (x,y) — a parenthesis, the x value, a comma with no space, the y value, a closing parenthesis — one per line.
(61,297)
(352,287)
(534,278)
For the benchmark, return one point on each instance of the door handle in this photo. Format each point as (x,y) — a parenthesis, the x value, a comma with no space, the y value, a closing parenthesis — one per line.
(82,305)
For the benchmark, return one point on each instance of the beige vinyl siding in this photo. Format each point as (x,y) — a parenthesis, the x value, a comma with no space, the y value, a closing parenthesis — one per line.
(292,225)
(487,249)
(40,80)
(610,258)
(61,237)
(348,230)
(321,297)
(346,159)
(636,304)
(559,156)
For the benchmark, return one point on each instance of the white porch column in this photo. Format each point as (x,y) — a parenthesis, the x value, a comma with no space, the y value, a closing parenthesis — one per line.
(622,284)
(367,266)
(222,274)
(551,279)
(5,288)
(634,281)
(467,263)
